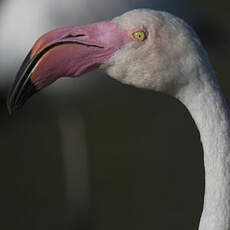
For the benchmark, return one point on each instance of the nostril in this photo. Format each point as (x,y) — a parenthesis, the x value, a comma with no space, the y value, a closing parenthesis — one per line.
(75,35)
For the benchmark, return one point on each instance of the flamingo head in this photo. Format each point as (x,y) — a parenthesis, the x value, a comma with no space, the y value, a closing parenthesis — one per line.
(141,47)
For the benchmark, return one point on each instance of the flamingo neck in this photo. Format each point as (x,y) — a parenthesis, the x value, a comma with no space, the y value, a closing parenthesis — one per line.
(205,102)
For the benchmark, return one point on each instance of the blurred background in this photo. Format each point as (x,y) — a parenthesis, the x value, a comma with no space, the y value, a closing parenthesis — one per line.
(90,153)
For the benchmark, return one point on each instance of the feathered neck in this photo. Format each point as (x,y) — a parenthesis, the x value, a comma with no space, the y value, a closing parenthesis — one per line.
(206,104)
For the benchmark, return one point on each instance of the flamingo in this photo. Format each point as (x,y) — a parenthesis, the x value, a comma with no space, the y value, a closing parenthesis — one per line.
(147,49)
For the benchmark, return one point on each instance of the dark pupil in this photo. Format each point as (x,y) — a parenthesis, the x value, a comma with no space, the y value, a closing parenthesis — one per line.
(139,35)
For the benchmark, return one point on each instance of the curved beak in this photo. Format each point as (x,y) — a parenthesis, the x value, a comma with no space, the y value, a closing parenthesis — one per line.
(69,51)
(22,87)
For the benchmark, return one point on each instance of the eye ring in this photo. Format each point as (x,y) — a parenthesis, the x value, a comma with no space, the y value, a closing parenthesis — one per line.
(139,35)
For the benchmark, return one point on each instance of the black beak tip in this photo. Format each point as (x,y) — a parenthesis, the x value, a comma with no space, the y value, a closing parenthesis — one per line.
(9,102)
(11,106)
(23,87)
(18,96)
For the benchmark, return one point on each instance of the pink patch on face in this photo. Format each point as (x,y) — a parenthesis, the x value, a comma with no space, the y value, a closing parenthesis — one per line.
(107,33)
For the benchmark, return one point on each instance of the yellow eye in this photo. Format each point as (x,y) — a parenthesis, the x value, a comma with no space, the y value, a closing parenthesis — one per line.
(139,35)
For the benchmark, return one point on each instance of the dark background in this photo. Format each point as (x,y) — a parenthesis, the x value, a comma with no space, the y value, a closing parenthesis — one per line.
(90,153)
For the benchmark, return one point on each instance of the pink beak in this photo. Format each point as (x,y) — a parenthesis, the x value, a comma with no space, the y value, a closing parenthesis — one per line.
(69,51)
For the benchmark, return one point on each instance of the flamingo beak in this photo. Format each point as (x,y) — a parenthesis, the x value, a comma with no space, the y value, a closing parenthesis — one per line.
(69,51)
(22,87)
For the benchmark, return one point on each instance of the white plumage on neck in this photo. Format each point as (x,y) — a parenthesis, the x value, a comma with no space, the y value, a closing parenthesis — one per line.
(172,61)
(211,115)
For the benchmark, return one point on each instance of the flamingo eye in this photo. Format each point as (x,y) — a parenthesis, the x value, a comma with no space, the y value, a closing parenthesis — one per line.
(139,35)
